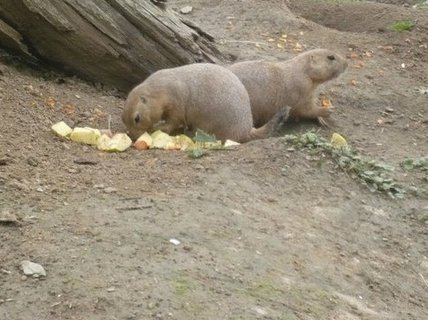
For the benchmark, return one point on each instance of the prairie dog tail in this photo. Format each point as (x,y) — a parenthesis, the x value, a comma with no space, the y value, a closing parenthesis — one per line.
(272,126)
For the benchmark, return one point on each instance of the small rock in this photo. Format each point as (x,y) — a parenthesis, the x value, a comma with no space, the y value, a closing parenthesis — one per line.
(84,161)
(4,161)
(175,242)
(389,110)
(186,9)
(33,161)
(110,190)
(33,269)
(111,289)
(424,263)
(260,311)
(8,218)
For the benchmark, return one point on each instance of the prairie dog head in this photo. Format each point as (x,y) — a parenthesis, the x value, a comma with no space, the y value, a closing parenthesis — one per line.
(142,110)
(323,65)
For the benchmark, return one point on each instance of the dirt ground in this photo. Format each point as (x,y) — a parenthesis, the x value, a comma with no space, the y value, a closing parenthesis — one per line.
(265,232)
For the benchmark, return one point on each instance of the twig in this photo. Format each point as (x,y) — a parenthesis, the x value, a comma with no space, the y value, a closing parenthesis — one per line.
(109,122)
(420,274)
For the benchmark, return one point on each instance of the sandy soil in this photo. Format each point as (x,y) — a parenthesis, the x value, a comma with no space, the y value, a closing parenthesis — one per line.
(265,232)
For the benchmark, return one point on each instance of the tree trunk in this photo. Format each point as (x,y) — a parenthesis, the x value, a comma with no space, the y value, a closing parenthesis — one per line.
(115,42)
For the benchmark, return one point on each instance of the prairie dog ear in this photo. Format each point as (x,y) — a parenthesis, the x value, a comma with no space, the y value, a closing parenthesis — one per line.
(137,117)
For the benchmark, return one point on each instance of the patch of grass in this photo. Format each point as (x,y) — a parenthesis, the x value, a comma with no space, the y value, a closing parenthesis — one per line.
(411,164)
(403,25)
(197,153)
(371,173)
(182,286)
(263,290)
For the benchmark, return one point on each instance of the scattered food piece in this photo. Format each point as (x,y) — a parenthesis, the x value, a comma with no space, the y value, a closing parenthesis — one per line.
(161,139)
(85,135)
(354,82)
(338,141)
(32,269)
(184,142)
(61,129)
(144,142)
(119,143)
(230,143)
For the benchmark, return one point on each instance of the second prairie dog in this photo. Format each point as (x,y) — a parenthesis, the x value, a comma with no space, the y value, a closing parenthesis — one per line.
(272,85)
(196,96)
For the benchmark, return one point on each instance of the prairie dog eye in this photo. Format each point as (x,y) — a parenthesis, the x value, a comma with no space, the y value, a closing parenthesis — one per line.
(143,100)
(331,57)
(137,118)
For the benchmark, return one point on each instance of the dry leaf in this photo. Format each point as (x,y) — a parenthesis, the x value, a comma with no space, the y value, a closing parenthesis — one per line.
(326,102)
(68,109)
(50,102)
(354,55)
(359,65)
(271,40)
(280,45)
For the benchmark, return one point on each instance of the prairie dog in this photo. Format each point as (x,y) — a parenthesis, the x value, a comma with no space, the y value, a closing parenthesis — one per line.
(272,85)
(196,96)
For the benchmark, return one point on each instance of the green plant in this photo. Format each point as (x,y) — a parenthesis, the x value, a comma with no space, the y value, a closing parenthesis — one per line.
(410,164)
(371,173)
(403,25)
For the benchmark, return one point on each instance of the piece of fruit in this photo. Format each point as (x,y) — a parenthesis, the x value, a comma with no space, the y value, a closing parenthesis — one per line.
(184,142)
(61,129)
(85,135)
(118,143)
(161,139)
(144,142)
(338,141)
(230,143)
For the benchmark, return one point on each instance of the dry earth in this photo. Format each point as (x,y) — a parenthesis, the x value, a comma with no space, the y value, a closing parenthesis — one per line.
(265,232)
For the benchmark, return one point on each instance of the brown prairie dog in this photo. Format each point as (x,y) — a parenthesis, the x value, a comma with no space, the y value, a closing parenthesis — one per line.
(196,96)
(272,85)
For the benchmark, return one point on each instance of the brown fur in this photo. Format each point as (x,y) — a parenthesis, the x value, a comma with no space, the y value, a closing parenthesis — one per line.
(196,96)
(272,85)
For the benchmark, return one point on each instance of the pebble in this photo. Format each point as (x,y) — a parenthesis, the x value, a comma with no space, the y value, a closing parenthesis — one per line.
(32,269)
(33,161)
(186,9)
(110,190)
(175,242)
